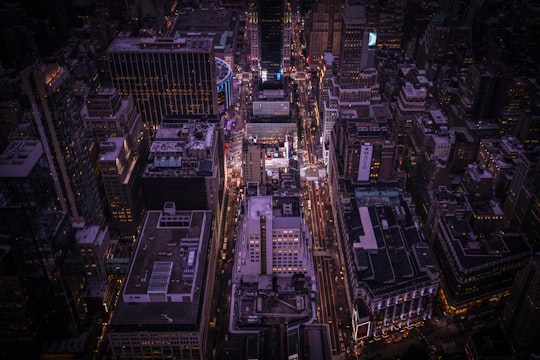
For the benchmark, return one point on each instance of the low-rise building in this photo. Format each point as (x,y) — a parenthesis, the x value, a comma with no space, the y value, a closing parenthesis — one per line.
(391,276)
(163,310)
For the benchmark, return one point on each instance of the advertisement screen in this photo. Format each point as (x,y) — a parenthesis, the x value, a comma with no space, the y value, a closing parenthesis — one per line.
(372,39)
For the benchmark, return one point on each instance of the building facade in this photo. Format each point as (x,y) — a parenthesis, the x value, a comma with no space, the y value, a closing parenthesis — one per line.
(392,278)
(165,76)
(121,167)
(56,111)
(184,166)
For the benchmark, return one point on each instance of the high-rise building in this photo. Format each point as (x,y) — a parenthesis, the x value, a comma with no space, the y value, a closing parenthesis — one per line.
(165,76)
(325,32)
(350,54)
(277,241)
(164,308)
(40,242)
(273,256)
(270,26)
(93,242)
(184,166)
(358,44)
(120,168)
(520,319)
(17,333)
(387,21)
(411,102)
(367,150)
(476,270)
(526,168)
(106,114)
(56,112)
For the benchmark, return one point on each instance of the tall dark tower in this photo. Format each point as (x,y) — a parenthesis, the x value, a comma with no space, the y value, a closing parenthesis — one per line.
(40,294)
(271,39)
(521,317)
(56,110)
(270,26)
(325,31)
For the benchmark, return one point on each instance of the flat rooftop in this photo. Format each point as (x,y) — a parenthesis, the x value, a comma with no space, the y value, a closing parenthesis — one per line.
(383,236)
(472,252)
(19,158)
(167,274)
(109,150)
(261,302)
(196,43)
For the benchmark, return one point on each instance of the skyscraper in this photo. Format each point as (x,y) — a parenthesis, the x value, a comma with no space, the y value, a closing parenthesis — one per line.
(38,238)
(165,76)
(270,36)
(123,145)
(521,316)
(120,170)
(358,44)
(325,31)
(57,117)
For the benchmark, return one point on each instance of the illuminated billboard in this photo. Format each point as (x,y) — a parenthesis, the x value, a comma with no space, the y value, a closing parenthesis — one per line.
(364,165)
(372,39)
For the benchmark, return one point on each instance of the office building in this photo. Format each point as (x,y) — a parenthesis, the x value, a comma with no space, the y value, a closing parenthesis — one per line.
(476,269)
(445,202)
(411,102)
(165,76)
(16,327)
(164,308)
(270,26)
(121,166)
(356,85)
(358,43)
(56,112)
(496,156)
(272,257)
(277,241)
(93,242)
(106,114)
(464,148)
(365,149)
(40,239)
(184,167)
(253,162)
(387,21)
(488,343)
(325,31)
(224,85)
(520,319)
(525,170)
(279,341)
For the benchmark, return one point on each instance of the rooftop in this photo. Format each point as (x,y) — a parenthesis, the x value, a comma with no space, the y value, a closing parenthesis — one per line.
(388,249)
(19,158)
(186,44)
(166,275)
(91,235)
(109,150)
(473,252)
